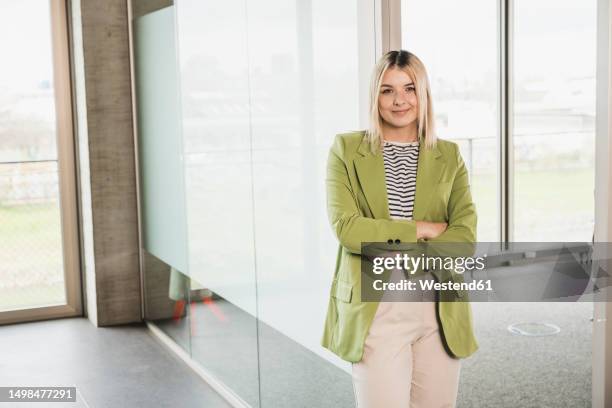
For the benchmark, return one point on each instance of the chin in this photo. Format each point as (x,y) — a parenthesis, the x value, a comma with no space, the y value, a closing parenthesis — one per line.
(400,123)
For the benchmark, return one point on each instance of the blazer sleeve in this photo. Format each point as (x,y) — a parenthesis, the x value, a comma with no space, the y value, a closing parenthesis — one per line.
(462,218)
(349,226)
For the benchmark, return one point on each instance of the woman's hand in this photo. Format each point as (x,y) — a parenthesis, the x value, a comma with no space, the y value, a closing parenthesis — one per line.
(429,230)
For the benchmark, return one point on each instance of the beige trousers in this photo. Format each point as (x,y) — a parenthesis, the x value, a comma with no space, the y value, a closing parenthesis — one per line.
(404,363)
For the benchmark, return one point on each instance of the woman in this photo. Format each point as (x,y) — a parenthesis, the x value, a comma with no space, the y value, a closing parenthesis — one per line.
(397,183)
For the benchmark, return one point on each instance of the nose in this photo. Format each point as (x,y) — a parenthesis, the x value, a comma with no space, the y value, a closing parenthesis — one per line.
(399,100)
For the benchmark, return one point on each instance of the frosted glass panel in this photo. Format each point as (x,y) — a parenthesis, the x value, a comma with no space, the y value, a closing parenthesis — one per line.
(264,88)
(215,108)
(304,90)
(217,148)
(159,139)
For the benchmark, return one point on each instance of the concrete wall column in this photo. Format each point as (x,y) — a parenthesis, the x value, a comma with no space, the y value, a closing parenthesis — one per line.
(106,161)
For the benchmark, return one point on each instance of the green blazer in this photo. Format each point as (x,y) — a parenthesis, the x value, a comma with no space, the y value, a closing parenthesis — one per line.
(358,211)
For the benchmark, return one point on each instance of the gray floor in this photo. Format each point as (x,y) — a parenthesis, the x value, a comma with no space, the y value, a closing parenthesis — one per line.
(518,371)
(263,366)
(507,371)
(126,367)
(111,367)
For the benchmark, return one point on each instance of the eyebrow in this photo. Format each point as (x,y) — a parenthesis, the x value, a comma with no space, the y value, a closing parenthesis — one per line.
(390,86)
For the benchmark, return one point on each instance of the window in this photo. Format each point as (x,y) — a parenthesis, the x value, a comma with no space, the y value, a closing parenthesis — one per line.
(459,73)
(553,137)
(38,247)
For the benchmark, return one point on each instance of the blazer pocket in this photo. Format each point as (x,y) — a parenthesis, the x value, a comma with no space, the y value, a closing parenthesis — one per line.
(342,291)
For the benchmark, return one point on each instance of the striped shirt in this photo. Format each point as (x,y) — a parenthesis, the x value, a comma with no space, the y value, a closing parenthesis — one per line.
(401,161)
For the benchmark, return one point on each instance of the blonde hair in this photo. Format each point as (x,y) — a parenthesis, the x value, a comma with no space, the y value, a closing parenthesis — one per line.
(409,63)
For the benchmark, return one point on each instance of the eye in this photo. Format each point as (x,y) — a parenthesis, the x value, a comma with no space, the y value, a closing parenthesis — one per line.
(410,89)
(385,91)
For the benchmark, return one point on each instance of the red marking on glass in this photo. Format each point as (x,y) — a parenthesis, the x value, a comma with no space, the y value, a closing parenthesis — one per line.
(191,316)
(179,307)
(214,308)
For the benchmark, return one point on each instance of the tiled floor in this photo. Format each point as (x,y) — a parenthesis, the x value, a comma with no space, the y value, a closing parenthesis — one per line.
(111,367)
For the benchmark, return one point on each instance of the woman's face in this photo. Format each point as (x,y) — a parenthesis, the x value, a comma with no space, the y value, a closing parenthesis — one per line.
(397,101)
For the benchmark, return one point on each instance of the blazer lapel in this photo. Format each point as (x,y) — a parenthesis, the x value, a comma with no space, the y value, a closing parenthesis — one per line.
(429,171)
(370,170)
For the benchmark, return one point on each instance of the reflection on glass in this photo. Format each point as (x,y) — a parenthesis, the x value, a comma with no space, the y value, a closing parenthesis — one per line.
(215,114)
(31,260)
(223,340)
(304,90)
(554,120)
(167,299)
(462,61)
(162,194)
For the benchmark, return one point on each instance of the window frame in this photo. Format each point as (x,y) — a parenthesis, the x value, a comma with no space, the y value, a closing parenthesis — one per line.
(67,181)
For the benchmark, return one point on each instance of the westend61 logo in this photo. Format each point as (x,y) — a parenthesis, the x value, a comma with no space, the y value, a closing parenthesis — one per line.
(413,264)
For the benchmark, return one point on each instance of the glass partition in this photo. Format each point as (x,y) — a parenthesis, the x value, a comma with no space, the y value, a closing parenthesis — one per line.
(218,178)
(162,191)
(303,91)
(196,188)
(238,104)
(233,143)
(553,139)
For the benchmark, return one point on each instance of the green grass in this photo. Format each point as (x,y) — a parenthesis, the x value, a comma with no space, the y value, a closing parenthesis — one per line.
(550,206)
(31,262)
(32,296)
